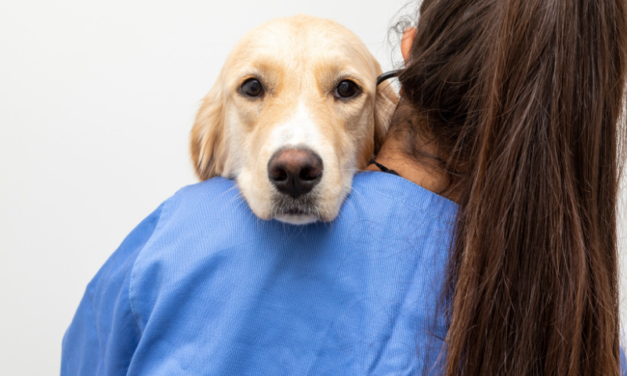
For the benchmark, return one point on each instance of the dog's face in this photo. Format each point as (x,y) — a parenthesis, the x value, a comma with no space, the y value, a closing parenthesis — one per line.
(293,116)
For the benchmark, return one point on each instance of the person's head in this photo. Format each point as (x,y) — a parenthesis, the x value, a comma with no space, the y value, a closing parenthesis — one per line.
(524,100)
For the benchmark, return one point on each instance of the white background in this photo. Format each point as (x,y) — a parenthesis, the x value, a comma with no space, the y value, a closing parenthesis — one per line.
(96,103)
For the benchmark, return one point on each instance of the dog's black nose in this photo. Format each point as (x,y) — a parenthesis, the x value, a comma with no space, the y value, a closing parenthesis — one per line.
(295,171)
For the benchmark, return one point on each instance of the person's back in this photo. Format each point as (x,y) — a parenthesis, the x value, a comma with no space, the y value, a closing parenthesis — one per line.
(204,287)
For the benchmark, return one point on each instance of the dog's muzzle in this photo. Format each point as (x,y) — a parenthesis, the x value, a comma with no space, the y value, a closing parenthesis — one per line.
(294,172)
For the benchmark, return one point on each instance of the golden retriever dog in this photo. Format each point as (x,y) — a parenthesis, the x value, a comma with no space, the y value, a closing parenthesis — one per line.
(294,114)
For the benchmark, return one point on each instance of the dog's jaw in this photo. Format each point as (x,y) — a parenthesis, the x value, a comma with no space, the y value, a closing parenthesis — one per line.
(296,219)
(267,203)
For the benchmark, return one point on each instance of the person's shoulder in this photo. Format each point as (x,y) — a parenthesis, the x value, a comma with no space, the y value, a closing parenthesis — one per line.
(380,192)
(212,204)
(208,190)
(209,195)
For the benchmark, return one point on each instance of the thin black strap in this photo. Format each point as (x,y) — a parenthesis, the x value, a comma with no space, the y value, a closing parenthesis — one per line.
(388,75)
(381,78)
(383,168)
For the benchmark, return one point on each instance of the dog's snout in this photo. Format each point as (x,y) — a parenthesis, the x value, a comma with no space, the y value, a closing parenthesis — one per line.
(295,171)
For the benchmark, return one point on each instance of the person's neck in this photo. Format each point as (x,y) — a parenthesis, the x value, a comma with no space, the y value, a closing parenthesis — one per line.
(393,156)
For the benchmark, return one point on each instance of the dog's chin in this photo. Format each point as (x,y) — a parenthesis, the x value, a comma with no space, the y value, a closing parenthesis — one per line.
(296,219)
(300,211)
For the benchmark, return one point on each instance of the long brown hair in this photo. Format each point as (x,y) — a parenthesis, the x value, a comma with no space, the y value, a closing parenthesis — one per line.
(524,99)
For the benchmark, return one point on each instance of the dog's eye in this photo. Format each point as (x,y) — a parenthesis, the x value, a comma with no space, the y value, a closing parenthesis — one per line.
(346,89)
(252,87)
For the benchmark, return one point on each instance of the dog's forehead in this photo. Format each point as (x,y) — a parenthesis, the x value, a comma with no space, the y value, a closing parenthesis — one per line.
(302,39)
(303,33)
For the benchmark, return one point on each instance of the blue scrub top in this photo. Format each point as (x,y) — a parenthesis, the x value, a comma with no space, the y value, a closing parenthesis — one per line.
(203,287)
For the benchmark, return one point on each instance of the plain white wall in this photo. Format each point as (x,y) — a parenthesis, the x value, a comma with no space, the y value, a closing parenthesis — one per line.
(96,103)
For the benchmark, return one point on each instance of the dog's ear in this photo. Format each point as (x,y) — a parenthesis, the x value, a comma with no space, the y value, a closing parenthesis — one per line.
(208,137)
(385,103)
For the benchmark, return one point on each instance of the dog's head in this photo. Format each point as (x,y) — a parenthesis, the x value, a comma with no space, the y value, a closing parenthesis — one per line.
(293,115)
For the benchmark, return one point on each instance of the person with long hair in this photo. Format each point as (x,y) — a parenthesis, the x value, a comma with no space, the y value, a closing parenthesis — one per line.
(493,252)
(516,106)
